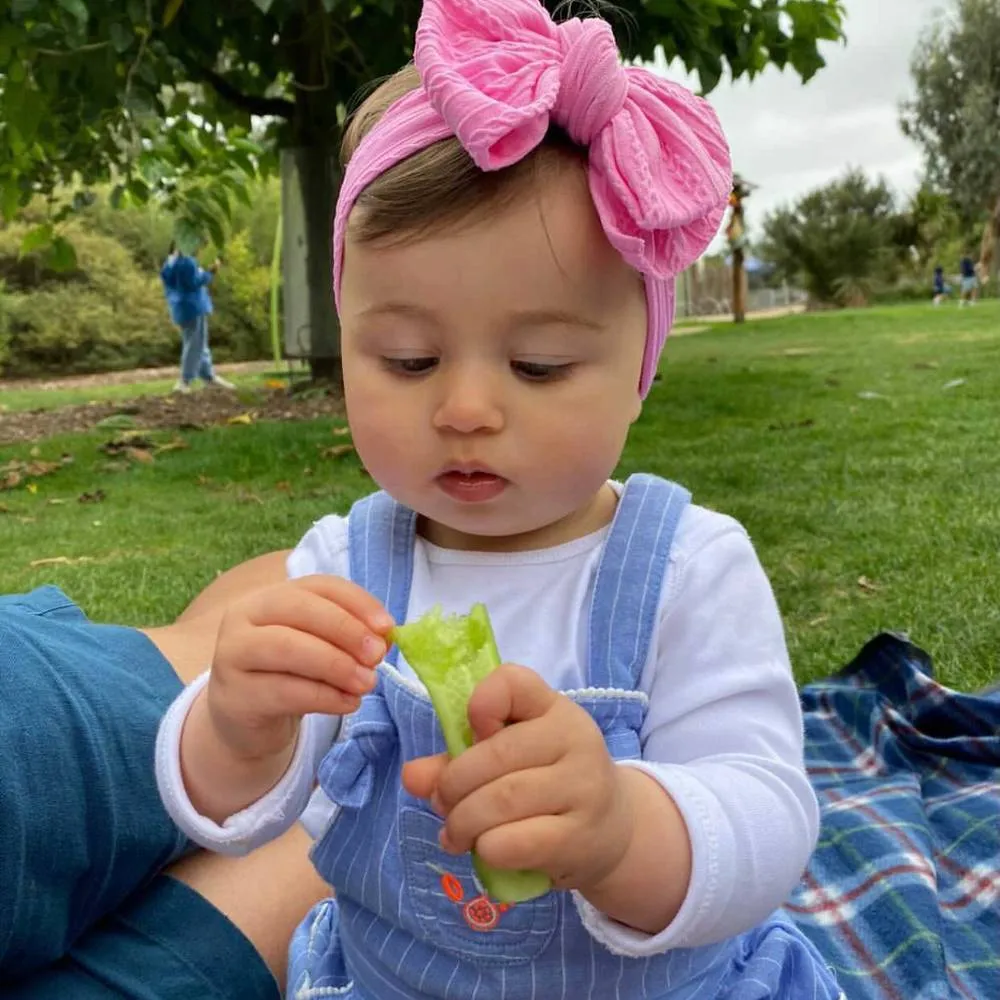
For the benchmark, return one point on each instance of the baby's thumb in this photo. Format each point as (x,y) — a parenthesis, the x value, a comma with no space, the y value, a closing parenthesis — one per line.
(420,776)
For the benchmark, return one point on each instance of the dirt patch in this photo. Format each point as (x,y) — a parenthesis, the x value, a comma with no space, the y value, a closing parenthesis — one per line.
(194,410)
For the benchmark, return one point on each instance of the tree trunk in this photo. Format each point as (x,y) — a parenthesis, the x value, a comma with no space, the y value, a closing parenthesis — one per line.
(989,251)
(311,180)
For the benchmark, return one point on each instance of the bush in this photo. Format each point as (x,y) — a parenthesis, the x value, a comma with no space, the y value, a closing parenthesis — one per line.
(4,327)
(107,314)
(838,241)
(145,231)
(239,329)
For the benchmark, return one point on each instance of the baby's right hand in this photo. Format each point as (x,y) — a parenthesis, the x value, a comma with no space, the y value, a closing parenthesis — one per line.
(304,646)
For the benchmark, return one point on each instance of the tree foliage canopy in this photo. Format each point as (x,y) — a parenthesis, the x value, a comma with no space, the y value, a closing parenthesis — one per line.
(159,93)
(955,115)
(840,241)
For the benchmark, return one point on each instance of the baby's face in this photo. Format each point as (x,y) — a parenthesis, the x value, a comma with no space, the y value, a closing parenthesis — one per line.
(491,371)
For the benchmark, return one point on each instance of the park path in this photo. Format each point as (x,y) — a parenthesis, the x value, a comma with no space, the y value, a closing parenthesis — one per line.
(126,377)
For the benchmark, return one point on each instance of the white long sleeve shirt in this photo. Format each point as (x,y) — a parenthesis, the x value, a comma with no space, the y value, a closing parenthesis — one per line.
(723,734)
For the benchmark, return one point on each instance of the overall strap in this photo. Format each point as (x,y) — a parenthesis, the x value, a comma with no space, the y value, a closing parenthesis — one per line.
(381,534)
(623,611)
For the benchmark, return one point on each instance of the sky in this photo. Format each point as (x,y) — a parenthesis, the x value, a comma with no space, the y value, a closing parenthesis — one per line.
(789,138)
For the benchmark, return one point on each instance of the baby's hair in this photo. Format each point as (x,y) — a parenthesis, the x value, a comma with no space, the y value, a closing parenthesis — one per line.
(440,185)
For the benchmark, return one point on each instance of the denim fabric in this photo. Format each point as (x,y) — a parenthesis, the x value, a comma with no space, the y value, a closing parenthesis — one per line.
(196,356)
(410,921)
(81,824)
(165,943)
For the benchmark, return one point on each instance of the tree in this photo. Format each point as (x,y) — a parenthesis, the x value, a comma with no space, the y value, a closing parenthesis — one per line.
(139,90)
(955,115)
(840,241)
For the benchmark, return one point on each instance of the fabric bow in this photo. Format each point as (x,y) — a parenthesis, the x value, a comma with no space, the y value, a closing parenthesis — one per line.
(499,73)
(347,773)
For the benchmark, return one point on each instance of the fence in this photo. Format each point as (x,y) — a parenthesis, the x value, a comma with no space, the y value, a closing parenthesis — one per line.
(708,291)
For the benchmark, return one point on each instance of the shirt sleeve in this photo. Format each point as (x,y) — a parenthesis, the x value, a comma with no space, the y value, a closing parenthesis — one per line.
(261,821)
(724,737)
(322,549)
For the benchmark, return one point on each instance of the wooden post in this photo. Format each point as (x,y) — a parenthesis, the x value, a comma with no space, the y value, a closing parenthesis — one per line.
(736,235)
(739,286)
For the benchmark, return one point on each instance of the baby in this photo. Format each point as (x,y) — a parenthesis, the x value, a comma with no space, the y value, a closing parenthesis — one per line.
(512,215)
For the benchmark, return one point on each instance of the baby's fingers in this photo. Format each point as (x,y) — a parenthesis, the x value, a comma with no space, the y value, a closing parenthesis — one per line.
(281,650)
(317,615)
(289,695)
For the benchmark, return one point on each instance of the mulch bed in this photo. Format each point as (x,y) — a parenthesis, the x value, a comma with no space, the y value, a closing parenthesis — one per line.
(198,409)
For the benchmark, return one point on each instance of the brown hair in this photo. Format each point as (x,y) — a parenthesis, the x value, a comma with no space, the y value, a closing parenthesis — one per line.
(440,185)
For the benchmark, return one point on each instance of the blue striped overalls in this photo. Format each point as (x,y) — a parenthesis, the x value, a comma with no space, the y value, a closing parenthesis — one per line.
(410,920)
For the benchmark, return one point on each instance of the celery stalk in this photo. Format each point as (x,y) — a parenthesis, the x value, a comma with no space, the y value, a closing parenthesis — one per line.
(451,655)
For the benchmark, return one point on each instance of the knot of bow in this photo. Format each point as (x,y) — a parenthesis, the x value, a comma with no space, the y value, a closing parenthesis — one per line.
(501,73)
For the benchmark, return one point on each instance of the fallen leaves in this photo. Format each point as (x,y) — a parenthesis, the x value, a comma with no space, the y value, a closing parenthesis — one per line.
(15,472)
(336,450)
(138,447)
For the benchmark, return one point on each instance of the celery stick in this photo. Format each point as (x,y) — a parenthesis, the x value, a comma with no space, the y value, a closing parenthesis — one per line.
(451,655)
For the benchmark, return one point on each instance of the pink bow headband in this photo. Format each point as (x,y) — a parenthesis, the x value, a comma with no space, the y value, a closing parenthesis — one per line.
(496,73)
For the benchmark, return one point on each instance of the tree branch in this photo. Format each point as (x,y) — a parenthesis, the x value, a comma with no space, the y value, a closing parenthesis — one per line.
(255,105)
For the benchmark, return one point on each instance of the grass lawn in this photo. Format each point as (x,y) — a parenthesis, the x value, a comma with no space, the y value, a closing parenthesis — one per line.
(14,400)
(860,449)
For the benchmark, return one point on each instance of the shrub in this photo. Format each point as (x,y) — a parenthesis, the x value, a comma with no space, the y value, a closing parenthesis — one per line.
(4,327)
(107,314)
(239,327)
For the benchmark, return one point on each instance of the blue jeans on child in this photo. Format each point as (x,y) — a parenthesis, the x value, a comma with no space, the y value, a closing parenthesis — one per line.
(85,912)
(196,357)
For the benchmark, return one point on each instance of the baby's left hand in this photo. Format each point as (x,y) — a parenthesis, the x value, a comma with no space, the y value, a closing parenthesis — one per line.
(538,790)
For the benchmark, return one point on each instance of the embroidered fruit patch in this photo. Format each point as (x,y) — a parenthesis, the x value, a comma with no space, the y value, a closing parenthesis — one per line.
(451,655)
(480,912)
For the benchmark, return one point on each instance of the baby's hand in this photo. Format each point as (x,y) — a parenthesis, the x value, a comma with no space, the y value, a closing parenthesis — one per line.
(303,646)
(538,790)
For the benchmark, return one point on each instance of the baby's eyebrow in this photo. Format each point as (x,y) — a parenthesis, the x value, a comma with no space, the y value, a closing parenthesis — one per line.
(552,317)
(518,317)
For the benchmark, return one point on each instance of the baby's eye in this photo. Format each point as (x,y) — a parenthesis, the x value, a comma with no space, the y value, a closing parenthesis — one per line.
(410,366)
(536,372)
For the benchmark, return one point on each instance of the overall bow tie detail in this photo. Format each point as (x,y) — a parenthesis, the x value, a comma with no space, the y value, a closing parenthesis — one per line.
(501,73)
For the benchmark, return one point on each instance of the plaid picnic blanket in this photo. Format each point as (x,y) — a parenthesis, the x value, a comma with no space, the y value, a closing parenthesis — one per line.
(902,896)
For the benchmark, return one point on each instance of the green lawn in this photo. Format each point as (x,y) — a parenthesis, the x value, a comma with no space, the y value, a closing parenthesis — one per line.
(860,449)
(13,400)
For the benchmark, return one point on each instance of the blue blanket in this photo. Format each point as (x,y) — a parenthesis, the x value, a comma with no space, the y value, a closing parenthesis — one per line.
(902,896)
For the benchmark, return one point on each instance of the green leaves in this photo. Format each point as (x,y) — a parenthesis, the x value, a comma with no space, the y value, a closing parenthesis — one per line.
(35,239)
(837,240)
(171,11)
(744,36)
(955,115)
(77,8)
(56,251)
(61,255)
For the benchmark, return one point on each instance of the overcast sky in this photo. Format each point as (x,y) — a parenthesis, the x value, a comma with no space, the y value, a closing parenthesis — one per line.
(789,138)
